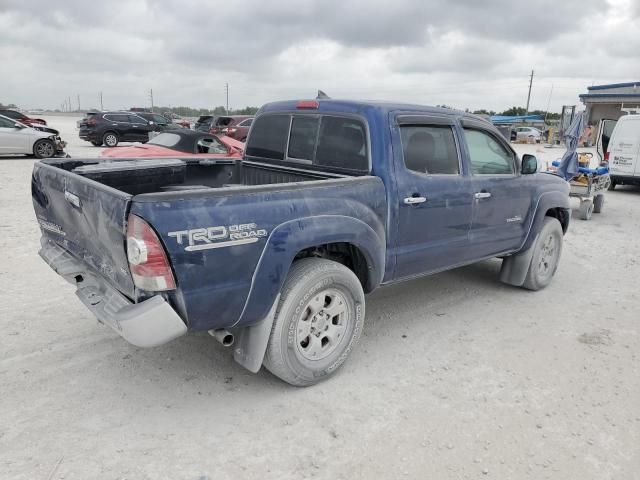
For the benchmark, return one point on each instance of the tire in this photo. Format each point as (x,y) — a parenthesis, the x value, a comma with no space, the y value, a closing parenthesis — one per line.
(612,185)
(586,209)
(44,148)
(598,204)
(96,144)
(110,139)
(546,255)
(313,288)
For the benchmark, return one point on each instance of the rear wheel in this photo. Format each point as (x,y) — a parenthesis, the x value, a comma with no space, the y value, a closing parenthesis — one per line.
(318,322)
(110,139)
(546,255)
(598,204)
(612,185)
(44,148)
(586,209)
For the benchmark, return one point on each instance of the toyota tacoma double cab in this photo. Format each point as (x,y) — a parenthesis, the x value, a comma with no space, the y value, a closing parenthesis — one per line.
(274,252)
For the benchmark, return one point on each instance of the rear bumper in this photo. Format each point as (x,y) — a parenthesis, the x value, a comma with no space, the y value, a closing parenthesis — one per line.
(146,324)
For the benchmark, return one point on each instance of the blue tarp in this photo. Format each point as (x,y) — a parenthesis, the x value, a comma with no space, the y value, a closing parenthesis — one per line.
(509,119)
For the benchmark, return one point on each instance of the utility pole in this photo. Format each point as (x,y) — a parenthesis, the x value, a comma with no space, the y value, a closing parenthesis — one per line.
(529,95)
(226,87)
(78,102)
(101,106)
(151,96)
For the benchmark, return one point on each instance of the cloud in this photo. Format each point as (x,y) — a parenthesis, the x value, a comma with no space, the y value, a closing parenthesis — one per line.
(464,53)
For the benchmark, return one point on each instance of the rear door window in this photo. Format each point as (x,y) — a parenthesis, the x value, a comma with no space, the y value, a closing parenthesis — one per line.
(115,117)
(430,149)
(136,119)
(342,144)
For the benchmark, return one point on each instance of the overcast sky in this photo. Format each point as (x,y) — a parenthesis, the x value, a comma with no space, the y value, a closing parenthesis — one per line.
(465,53)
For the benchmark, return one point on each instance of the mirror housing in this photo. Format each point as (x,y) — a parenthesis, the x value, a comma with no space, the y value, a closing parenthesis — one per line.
(19,126)
(529,164)
(150,122)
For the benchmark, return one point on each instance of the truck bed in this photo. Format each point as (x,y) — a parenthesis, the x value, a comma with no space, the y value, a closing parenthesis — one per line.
(140,176)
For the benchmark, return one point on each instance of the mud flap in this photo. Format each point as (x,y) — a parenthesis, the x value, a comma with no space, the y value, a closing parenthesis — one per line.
(514,268)
(252,341)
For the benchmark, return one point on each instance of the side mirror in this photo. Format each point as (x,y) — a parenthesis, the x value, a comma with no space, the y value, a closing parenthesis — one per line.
(529,164)
(19,126)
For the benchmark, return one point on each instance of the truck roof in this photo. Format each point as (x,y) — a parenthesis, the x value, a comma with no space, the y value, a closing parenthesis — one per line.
(358,106)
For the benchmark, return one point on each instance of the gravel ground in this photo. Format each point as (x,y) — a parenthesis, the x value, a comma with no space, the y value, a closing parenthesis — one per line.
(456,376)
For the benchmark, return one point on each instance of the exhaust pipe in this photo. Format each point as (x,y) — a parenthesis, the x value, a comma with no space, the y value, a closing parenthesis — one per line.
(222,335)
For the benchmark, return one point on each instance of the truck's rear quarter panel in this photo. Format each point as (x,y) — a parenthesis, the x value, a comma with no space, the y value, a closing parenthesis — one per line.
(214,283)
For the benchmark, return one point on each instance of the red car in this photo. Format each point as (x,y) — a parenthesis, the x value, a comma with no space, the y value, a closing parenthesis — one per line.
(235,127)
(22,118)
(181,143)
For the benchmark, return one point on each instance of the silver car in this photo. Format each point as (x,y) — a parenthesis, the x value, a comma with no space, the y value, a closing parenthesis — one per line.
(17,138)
(528,134)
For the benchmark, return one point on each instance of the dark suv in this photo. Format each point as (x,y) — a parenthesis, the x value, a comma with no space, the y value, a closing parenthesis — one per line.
(110,128)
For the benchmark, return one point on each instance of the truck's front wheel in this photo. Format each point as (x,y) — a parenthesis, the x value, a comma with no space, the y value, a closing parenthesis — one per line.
(546,255)
(318,322)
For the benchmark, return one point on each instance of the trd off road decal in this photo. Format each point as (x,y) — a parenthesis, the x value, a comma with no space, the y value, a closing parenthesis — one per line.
(218,237)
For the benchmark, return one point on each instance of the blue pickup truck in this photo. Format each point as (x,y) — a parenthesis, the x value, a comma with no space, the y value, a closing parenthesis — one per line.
(274,253)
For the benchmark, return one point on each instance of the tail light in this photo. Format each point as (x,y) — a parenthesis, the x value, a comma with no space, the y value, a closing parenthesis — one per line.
(231,130)
(91,121)
(148,262)
(606,156)
(308,104)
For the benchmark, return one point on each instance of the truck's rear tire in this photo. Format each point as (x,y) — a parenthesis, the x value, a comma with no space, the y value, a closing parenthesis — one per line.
(546,255)
(318,321)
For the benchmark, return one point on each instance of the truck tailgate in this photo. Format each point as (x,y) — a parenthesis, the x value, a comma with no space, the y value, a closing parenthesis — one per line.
(85,218)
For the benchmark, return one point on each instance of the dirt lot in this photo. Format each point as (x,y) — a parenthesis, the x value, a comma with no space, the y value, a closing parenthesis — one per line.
(456,376)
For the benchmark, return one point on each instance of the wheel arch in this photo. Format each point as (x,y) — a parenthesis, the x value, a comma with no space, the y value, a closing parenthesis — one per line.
(347,240)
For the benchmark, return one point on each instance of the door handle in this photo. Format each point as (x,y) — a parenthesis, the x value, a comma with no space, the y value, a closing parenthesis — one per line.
(480,195)
(414,200)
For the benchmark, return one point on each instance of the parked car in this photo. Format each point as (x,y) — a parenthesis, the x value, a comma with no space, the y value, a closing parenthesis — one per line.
(162,123)
(235,127)
(623,152)
(111,128)
(275,251)
(21,117)
(18,138)
(204,123)
(178,120)
(527,134)
(183,143)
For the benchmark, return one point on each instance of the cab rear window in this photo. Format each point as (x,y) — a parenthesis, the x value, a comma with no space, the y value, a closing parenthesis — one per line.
(328,141)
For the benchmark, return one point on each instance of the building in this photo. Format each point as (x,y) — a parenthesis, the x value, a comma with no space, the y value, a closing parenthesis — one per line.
(610,101)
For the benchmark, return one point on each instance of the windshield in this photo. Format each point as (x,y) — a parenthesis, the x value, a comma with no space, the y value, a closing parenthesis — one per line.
(165,140)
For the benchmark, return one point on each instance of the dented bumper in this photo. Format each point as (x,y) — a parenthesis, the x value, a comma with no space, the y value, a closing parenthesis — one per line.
(149,323)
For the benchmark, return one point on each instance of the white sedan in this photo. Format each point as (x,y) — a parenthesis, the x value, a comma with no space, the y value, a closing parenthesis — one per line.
(17,138)
(528,134)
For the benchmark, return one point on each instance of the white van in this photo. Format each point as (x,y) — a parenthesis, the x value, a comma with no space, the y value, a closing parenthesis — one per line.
(623,152)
